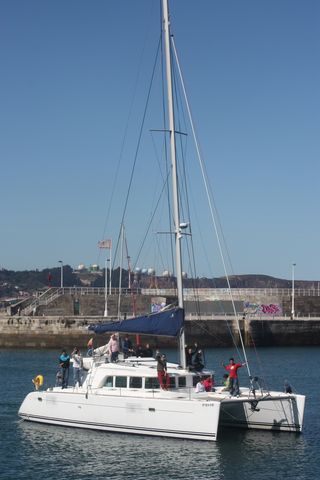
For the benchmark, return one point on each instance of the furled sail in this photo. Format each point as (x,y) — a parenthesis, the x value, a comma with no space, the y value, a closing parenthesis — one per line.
(166,323)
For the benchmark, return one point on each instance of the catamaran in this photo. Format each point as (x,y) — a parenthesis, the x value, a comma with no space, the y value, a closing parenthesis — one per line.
(125,396)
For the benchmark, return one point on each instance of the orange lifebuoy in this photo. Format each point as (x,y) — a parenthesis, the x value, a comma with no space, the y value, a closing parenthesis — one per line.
(38,381)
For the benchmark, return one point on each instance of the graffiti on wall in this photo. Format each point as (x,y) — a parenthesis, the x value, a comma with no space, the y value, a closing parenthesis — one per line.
(262,308)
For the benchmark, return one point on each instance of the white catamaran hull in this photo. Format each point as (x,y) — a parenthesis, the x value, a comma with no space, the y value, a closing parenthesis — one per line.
(169,417)
(273,411)
(164,413)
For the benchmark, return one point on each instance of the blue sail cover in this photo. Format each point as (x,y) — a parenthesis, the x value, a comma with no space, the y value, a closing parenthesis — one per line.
(167,323)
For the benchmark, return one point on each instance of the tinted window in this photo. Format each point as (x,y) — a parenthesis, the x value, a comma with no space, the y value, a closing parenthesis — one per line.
(172,382)
(135,382)
(121,382)
(182,381)
(108,382)
(152,382)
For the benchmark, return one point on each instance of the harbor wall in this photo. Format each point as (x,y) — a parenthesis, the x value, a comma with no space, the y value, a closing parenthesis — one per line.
(69,331)
(61,320)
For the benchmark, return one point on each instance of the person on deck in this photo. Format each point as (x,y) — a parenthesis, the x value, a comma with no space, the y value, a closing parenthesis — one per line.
(287,387)
(200,388)
(198,361)
(208,384)
(140,351)
(90,347)
(127,347)
(77,367)
(232,368)
(64,362)
(113,347)
(148,352)
(189,356)
(226,383)
(163,377)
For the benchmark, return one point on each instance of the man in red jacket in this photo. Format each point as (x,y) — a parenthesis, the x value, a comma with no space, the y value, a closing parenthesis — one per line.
(232,368)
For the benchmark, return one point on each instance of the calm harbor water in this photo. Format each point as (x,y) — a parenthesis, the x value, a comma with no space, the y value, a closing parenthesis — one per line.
(38,451)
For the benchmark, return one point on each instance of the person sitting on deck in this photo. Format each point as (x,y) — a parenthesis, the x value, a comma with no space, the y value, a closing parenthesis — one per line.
(189,356)
(139,351)
(226,383)
(208,384)
(198,362)
(287,387)
(200,386)
(148,352)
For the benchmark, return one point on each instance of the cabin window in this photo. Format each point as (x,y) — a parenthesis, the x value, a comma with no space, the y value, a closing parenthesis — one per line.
(108,382)
(172,382)
(135,382)
(152,383)
(182,381)
(121,382)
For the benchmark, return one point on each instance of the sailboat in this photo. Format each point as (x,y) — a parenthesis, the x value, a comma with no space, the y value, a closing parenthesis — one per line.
(125,396)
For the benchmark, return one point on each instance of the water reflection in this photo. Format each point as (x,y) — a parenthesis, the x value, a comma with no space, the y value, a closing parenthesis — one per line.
(114,455)
(237,454)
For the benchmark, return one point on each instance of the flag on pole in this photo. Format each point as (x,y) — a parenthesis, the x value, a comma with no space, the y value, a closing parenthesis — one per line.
(105,244)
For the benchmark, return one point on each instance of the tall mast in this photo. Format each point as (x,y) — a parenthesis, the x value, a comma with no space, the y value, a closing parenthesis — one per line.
(175,198)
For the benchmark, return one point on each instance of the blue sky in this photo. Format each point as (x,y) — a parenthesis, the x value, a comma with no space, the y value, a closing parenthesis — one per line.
(72,88)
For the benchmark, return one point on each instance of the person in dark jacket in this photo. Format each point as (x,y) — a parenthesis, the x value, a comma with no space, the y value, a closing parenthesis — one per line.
(64,363)
(189,356)
(148,352)
(163,377)
(127,347)
(198,361)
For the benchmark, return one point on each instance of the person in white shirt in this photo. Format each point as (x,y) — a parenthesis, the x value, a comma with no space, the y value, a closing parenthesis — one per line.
(200,387)
(77,366)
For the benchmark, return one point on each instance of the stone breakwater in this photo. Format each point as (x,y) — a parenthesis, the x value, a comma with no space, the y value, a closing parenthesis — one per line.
(68,331)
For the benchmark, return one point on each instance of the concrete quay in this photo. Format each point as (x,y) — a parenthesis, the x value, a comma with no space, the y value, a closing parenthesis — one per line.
(211,331)
(59,317)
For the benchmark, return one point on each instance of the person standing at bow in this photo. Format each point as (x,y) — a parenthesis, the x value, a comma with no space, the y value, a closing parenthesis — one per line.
(232,368)
(77,366)
(64,362)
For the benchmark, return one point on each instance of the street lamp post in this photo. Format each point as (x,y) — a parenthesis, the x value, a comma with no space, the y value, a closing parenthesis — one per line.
(292,306)
(106,289)
(61,273)
(109,269)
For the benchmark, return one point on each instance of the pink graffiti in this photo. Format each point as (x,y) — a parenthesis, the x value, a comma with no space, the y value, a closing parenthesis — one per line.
(271,309)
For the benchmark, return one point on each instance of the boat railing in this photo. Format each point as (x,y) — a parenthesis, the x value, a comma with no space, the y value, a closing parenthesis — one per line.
(182,393)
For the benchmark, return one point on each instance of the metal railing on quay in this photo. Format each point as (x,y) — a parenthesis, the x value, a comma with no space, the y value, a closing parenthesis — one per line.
(209,293)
